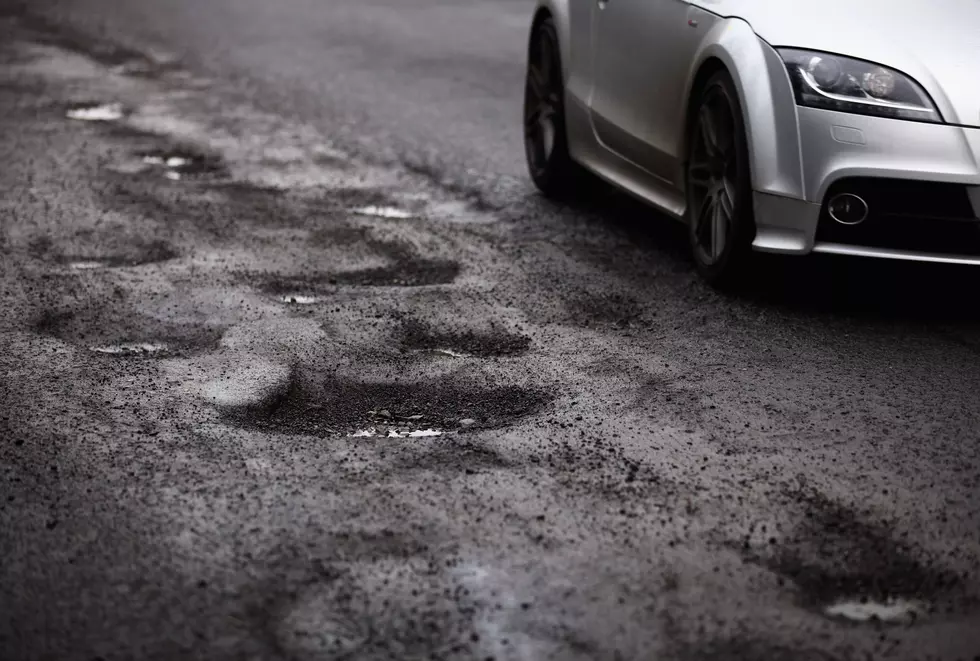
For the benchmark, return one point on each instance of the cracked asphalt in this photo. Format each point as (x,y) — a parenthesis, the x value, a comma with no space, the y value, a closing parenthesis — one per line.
(294,364)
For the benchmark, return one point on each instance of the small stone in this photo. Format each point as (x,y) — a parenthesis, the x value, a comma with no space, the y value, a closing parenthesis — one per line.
(466,422)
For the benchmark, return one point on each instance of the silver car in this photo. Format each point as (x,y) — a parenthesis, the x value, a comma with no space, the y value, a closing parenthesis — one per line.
(838,126)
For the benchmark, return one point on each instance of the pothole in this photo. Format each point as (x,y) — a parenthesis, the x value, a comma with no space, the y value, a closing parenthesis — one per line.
(430,406)
(417,336)
(105,112)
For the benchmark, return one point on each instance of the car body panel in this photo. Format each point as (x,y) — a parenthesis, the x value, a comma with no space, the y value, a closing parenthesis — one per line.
(573,20)
(936,42)
(839,145)
(635,101)
(766,96)
(775,165)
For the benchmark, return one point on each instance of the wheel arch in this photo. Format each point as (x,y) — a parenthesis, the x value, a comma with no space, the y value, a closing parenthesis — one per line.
(558,11)
(766,98)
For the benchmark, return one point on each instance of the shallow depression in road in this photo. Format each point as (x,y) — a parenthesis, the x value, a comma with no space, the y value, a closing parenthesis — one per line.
(121,331)
(411,272)
(461,343)
(342,405)
(851,567)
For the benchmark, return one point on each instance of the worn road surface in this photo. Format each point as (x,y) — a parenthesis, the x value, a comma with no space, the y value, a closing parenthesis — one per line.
(295,365)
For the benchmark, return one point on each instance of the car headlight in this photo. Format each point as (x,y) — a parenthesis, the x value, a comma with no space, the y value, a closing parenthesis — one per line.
(840,83)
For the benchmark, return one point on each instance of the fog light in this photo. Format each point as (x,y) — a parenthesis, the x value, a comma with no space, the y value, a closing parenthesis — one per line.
(847,209)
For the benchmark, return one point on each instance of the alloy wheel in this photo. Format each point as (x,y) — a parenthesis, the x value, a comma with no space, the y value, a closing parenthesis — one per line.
(713,176)
(542,102)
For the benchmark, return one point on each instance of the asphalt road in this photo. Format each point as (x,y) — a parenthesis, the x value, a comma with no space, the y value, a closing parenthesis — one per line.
(294,364)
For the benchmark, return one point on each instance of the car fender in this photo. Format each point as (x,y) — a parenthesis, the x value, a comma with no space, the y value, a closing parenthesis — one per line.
(561,14)
(767,101)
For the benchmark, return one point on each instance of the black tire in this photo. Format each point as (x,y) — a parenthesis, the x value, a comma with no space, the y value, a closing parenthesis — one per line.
(721,224)
(545,135)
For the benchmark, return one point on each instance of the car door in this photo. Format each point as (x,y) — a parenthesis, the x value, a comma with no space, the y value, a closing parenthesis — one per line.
(642,54)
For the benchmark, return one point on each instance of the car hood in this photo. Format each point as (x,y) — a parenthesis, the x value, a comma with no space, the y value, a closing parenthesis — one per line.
(935,42)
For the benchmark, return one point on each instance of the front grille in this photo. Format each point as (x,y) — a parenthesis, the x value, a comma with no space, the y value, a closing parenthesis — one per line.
(906,215)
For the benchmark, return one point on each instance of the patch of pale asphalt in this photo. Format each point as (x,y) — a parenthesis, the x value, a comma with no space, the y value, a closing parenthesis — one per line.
(101,113)
(299,299)
(142,348)
(889,612)
(384,212)
(235,379)
(624,468)
(87,265)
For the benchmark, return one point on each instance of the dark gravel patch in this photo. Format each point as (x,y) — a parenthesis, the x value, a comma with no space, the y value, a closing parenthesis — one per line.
(483,344)
(414,273)
(836,553)
(407,269)
(420,273)
(342,404)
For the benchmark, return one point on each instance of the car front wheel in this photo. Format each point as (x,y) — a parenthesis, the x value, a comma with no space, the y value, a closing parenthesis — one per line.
(545,143)
(719,190)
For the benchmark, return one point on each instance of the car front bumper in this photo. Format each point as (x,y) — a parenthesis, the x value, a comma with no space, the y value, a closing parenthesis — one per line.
(928,164)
